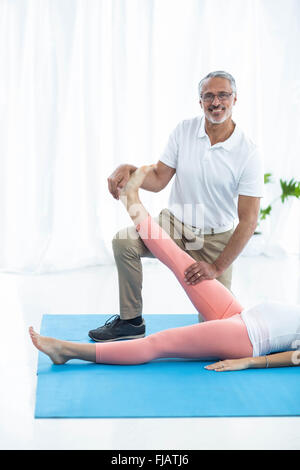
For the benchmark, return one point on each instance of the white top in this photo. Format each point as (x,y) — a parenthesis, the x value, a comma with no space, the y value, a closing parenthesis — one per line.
(272,327)
(209,178)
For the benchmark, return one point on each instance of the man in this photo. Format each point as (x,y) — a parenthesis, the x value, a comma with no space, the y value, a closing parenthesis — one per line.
(219,176)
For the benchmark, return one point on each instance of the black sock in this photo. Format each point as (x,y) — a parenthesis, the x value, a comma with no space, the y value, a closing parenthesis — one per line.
(135,321)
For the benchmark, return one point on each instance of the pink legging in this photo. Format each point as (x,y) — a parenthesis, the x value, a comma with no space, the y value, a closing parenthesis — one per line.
(222,336)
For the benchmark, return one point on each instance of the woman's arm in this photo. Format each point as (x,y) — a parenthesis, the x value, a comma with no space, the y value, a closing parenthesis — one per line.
(282,359)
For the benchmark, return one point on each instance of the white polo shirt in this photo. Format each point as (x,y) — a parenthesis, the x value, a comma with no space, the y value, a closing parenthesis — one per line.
(208,177)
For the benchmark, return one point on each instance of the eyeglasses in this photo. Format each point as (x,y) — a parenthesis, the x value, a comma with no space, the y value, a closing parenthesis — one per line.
(209,97)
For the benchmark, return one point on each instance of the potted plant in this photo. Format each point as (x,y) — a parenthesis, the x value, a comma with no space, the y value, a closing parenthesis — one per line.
(289,189)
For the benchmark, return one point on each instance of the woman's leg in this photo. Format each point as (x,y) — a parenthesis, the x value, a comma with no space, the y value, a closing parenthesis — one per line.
(217,339)
(62,351)
(210,298)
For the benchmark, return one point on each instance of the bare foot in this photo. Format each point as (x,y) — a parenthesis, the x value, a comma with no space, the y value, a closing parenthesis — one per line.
(50,346)
(136,179)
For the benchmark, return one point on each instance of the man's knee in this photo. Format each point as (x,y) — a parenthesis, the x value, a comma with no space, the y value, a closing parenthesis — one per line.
(126,240)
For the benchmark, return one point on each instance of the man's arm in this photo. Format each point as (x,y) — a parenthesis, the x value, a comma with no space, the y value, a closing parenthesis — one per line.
(155,181)
(248,210)
(158,178)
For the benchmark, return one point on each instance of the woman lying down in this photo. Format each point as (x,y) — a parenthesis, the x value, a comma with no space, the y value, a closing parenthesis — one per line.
(266,335)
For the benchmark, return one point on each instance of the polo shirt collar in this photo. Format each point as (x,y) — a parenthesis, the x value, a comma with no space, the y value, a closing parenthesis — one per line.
(227,144)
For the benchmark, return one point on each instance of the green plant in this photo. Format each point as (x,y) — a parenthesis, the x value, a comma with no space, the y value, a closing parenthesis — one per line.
(288,189)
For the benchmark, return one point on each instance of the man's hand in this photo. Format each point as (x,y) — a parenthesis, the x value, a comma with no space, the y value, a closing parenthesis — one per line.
(200,271)
(118,179)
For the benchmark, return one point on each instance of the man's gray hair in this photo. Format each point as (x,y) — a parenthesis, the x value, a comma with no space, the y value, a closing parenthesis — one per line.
(221,74)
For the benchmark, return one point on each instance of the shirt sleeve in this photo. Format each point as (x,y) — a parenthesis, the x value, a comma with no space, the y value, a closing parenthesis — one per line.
(251,182)
(170,153)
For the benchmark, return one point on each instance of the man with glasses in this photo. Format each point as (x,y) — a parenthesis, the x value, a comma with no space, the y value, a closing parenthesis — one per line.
(219,178)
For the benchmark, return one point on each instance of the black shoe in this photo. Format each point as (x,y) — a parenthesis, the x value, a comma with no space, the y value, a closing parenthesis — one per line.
(116,329)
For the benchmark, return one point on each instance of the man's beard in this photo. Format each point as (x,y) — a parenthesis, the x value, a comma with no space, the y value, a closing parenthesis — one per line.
(210,118)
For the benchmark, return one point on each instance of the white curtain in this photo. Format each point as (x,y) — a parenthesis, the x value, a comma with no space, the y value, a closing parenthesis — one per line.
(89,84)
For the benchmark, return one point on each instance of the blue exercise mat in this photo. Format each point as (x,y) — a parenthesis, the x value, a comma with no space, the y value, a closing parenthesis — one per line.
(162,388)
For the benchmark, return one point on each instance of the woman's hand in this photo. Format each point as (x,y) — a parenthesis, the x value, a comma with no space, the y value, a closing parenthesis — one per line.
(230,364)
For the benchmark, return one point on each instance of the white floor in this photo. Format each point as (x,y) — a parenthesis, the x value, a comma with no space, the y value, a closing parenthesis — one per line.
(23,301)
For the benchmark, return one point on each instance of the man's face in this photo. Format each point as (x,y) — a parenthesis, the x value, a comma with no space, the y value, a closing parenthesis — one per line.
(217,108)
